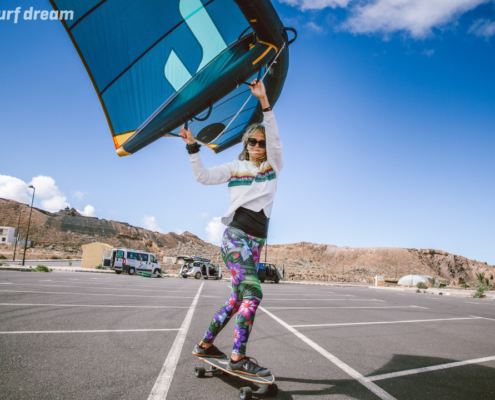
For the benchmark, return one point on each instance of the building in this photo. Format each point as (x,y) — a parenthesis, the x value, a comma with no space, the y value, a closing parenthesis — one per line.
(7,235)
(170,260)
(92,255)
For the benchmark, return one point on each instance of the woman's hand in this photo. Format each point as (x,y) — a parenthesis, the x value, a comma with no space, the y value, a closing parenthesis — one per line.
(187,135)
(258,90)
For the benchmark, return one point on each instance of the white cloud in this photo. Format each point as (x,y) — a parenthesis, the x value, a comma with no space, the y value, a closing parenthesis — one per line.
(89,211)
(429,52)
(214,230)
(204,214)
(78,194)
(52,199)
(54,204)
(316,4)
(151,223)
(313,27)
(417,17)
(14,189)
(483,27)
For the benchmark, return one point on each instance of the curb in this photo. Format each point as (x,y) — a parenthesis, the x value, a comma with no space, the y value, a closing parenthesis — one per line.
(445,292)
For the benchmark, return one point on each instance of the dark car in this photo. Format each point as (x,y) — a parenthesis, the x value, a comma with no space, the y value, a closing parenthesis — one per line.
(268,272)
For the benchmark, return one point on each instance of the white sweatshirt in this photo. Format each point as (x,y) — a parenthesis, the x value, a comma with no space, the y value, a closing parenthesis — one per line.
(250,187)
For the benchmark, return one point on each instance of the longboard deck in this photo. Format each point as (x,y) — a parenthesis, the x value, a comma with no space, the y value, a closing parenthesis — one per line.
(222,363)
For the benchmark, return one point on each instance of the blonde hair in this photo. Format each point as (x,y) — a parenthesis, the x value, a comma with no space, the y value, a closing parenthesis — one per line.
(250,132)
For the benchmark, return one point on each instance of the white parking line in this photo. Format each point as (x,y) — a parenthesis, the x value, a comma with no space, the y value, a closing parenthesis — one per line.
(316,294)
(385,322)
(382,394)
(483,304)
(162,384)
(98,287)
(83,305)
(490,319)
(92,331)
(428,369)
(92,294)
(318,308)
(270,299)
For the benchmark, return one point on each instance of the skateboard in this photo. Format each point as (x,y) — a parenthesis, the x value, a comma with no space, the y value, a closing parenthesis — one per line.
(218,366)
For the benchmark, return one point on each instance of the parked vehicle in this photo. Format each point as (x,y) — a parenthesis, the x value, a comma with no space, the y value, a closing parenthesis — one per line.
(268,272)
(199,267)
(131,261)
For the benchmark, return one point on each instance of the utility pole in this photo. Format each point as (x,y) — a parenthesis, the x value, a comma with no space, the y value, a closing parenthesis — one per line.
(266,247)
(29,223)
(17,234)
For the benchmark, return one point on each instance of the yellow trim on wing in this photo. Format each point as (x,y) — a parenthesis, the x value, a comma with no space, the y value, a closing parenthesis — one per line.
(119,140)
(212,146)
(270,46)
(122,153)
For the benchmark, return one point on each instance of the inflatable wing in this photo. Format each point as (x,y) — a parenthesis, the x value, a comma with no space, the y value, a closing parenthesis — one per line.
(157,64)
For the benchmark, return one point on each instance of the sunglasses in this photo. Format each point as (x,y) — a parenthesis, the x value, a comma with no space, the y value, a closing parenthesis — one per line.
(252,142)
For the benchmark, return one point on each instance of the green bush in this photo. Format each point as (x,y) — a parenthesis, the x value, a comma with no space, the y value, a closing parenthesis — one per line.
(421,285)
(433,282)
(68,257)
(2,264)
(55,257)
(2,257)
(41,268)
(418,291)
(465,285)
(480,292)
(99,267)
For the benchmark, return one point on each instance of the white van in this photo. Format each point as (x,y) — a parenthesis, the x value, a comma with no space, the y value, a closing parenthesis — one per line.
(131,261)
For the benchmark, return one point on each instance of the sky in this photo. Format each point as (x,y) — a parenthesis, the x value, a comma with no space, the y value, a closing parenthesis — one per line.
(387,120)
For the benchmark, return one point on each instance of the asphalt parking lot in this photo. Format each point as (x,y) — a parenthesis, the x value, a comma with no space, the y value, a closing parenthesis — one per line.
(66,335)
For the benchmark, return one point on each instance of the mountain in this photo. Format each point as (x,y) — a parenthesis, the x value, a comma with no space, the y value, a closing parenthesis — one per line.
(67,230)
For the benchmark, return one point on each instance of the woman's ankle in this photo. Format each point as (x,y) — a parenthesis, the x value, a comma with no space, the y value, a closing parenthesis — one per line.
(205,345)
(237,357)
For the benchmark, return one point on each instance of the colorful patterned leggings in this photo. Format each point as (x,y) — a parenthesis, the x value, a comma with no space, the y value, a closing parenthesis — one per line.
(241,253)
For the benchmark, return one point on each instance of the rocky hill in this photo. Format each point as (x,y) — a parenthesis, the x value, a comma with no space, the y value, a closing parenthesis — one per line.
(309,261)
(64,233)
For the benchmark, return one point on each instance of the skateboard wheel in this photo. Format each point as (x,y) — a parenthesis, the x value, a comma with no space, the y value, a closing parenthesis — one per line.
(272,389)
(245,393)
(199,372)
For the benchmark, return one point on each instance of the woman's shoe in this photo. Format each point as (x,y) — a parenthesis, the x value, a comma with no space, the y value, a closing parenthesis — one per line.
(211,351)
(248,366)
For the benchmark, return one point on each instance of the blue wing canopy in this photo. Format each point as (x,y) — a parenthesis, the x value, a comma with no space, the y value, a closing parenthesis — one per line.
(156,64)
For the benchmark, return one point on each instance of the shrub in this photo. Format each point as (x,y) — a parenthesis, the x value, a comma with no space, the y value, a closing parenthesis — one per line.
(2,257)
(418,291)
(433,282)
(480,292)
(41,268)
(2,264)
(465,285)
(421,285)
(68,257)
(55,257)
(99,267)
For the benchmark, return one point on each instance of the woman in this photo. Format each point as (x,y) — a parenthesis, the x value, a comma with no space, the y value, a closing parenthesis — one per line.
(252,186)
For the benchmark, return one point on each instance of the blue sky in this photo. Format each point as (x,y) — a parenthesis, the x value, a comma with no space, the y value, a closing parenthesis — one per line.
(387,119)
